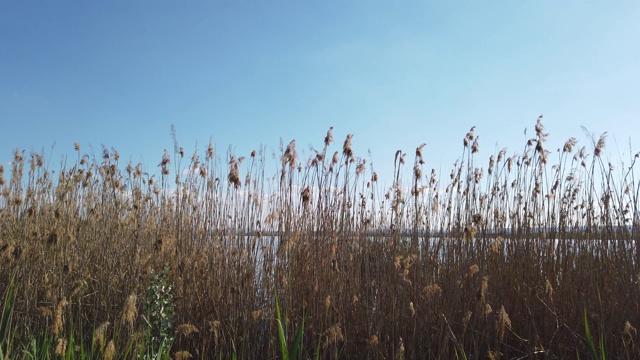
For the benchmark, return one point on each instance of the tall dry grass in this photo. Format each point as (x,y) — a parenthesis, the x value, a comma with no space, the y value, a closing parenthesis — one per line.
(496,259)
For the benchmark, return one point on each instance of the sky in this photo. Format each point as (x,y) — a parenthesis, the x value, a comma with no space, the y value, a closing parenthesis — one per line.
(247,74)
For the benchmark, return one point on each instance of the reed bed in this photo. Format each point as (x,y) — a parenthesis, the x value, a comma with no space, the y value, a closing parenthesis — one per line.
(505,258)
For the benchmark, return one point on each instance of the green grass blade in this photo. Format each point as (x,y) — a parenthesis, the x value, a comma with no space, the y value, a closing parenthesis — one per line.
(7,310)
(603,346)
(590,344)
(296,348)
(70,355)
(317,357)
(281,335)
(283,341)
(234,355)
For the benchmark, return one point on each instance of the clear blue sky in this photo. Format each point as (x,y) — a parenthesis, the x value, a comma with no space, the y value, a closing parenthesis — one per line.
(394,73)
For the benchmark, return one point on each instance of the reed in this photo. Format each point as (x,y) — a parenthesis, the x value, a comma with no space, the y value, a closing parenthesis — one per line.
(507,258)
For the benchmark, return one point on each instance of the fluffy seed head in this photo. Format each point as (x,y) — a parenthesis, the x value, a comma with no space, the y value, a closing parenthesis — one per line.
(234,172)
(475,147)
(99,334)
(473,269)
(482,292)
(61,347)
(346,147)
(57,321)
(431,291)
(600,145)
(110,351)
(214,327)
(256,314)
(129,311)
(44,312)
(183,355)
(469,232)
(502,323)
(487,310)
(329,138)
(373,341)
(419,153)
(568,146)
(306,196)
(335,159)
(187,329)
(78,288)
(629,331)
(333,335)
(360,168)
(290,155)
(210,152)
(496,245)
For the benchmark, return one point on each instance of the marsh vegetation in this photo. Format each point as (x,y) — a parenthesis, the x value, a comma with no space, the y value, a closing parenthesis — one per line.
(504,257)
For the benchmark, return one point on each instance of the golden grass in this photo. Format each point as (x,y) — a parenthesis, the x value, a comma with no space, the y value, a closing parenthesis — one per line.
(495,263)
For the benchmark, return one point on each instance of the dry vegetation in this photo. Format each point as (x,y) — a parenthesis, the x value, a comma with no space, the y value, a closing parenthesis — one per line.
(499,259)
